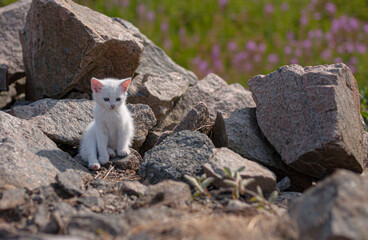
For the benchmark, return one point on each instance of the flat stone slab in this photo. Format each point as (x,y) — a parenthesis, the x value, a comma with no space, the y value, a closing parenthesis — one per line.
(62,120)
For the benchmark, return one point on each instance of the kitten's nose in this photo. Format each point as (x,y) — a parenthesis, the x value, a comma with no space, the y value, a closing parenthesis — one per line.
(112,106)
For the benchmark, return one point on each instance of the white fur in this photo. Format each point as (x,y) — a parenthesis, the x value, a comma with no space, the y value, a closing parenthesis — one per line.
(112,130)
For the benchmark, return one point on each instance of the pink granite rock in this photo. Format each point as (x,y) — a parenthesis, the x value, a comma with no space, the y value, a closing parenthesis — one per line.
(65,44)
(311,116)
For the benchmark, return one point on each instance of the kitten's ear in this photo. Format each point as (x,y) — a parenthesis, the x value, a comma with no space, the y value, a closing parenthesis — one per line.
(96,85)
(124,85)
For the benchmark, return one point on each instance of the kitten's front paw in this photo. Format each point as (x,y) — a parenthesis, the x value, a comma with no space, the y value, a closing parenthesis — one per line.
(104,158)
(124,152)
(94,166)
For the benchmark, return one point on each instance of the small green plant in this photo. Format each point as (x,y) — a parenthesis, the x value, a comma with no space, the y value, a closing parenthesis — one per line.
(236,182)
(260,202)
(200,184)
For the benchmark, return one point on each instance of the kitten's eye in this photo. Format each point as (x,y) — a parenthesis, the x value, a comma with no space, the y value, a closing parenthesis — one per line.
(118,99)
(106,99)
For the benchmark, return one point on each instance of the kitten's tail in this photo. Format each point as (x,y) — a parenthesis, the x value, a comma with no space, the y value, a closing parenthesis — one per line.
(88,147)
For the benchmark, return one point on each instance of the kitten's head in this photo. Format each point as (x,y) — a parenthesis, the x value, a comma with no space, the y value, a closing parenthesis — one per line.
(110,93)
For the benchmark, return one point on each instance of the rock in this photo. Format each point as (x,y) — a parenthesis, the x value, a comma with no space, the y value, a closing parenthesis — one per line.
(43,221)
(335,209)
(163,136)
(283,184)
(12,19)
(215,93)
(12,198)
(3,77)
(202,91)
(132,187)
(197,119)
(151,139)
(168,193)
(284,199)
(132,161)
(64,121)
(15,95)
(65,210)
(224,157)
(365,149)
(28,157)
(72,181)
(239,132)
(95,203)
(154,59)
(65,44)
(7,97)
(230,98)
(144,120)
(61,120)
(311,116)
(181,153)
(160,92)
(89,226)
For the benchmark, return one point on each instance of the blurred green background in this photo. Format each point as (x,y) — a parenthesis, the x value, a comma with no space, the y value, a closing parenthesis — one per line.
(239,39)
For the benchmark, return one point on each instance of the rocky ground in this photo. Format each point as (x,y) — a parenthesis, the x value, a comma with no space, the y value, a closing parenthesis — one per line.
(209,160)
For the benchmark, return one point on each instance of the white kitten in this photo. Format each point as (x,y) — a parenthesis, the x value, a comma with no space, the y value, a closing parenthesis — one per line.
(112,129)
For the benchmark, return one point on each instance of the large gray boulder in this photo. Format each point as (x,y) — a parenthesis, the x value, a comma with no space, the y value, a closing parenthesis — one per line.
(239,132)
(337,208)
(215,93)
(28,157)
(160,92)
(154,59)
(224,157)
(12,19)
(312,117)
(65,44)
(181,153)
(64,121)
